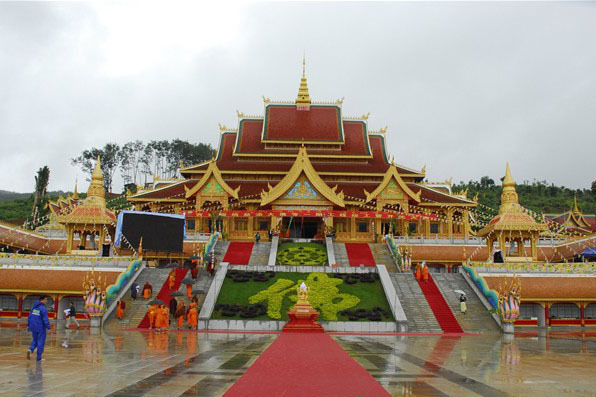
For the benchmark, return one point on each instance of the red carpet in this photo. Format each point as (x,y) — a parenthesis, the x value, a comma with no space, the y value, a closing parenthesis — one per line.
(306,365)
(164,294)
(441,310)
(359,254)
(238,253)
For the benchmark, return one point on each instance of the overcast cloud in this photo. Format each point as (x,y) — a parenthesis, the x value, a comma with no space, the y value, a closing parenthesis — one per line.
(463,87)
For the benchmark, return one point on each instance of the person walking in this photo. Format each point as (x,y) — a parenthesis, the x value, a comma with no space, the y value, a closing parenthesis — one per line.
(147,290)
(180,313)
(173,307)
(120,306)
(462,304)
(72,312)
(37,324)
(134,290)
(270,234)
(257,237)
(192,317)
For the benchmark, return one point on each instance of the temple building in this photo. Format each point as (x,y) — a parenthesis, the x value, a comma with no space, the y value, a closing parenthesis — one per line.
(304,169)
(574,221)
(513,230)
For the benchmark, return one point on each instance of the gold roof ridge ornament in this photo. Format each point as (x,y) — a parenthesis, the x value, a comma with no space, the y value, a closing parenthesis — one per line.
(509,198)
(75,194)
(301,165)
(303,99)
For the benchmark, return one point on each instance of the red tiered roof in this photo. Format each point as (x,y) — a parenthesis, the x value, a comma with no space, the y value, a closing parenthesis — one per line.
(249,140)
(322,123)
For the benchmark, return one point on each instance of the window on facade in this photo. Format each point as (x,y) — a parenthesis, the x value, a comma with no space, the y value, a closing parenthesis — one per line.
(412,227)
(434,228)
(263,225)
(241,224)
(590,311)
(9,303)
(190,224)
(564,311)
(362,227)
(527,311)
(30,300)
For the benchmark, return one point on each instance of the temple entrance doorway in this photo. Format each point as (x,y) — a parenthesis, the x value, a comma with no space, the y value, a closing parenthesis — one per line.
(302,227)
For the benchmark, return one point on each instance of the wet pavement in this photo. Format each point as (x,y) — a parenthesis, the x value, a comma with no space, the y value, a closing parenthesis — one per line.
(131,363)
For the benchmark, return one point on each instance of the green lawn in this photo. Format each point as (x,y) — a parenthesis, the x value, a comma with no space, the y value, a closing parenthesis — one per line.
(371,295)
(302,254)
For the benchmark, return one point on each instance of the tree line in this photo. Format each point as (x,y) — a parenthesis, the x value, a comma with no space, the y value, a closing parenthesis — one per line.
(138,161)
(538,196)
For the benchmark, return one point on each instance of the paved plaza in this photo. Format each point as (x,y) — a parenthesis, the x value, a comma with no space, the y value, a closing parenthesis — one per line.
(132,363)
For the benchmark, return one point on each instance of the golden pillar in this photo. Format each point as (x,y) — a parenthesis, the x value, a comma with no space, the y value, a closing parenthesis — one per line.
(353,228)
(450,222)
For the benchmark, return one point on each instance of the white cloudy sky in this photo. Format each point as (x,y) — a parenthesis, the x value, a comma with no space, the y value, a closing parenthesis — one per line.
(463,87)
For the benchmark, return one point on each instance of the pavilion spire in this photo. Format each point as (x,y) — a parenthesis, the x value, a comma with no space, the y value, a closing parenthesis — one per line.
(303,99)
(575,206)
(96,192)
(75,194)
(509,196)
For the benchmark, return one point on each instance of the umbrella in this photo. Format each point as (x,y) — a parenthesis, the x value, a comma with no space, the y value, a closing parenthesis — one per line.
(156,302)
(176,293)
(197,291)
(188,281)
(459,291)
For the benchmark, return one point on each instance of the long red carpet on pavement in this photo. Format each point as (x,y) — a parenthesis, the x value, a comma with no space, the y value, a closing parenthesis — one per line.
(440,309)
(359,254)
(238,253)
(164,294)
(300,364)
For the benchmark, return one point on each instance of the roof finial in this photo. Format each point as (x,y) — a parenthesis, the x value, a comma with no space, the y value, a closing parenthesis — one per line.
(75,194)
(96,192)
(303,99)
(575,207)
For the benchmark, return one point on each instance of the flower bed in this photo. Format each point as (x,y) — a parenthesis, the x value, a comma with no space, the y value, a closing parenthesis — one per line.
(301,254)
(270,295)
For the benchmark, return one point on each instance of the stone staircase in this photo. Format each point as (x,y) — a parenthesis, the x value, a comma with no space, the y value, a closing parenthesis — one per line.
(341,256)
(477,318)
(260,254)
(383,257)
(220,250)
(420,316)
(135,310)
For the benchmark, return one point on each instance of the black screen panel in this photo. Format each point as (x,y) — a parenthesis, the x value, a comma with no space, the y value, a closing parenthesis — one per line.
(160,233)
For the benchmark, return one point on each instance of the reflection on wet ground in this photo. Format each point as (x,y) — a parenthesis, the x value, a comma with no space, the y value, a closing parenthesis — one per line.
(187,363)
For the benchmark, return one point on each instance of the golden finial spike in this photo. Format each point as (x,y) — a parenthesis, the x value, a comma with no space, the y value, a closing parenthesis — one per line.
(75,194)
(575,207)
(96,193)
(509,196)
(303,99)
(508,180)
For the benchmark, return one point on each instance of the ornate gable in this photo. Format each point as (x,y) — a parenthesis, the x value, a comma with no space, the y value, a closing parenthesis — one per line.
(212,184)
(302,181)
(392,188)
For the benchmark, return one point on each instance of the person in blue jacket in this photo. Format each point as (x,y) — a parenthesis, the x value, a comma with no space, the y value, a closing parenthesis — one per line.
(37,323)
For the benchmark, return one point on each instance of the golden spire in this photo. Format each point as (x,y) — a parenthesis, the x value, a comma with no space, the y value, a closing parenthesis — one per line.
(303,98)
(575,207)
(509,196)
(96,193)
(75,194)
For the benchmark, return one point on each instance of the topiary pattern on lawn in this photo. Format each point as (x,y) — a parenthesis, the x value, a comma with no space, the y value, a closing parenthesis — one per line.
(323,296)
(302,254)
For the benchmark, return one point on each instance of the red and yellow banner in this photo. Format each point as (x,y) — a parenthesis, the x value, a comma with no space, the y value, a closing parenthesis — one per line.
(310,214)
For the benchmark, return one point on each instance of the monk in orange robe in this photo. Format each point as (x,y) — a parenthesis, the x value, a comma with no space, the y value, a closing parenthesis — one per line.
(180,313)
(189,291)
(152,316)
(425,274)
(120,310)
(192,317)
(172,278)
(418,273)
(147,290)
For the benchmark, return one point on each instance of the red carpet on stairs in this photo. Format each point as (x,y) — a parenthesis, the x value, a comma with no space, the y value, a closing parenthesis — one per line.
(238,253)
(164,294)
(441,310)
(359,254)
(300,364)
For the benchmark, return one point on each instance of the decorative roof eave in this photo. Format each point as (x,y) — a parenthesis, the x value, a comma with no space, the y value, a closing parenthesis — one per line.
(212,170)
(302,164)
(140,195)
(464,201)
(392,174)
